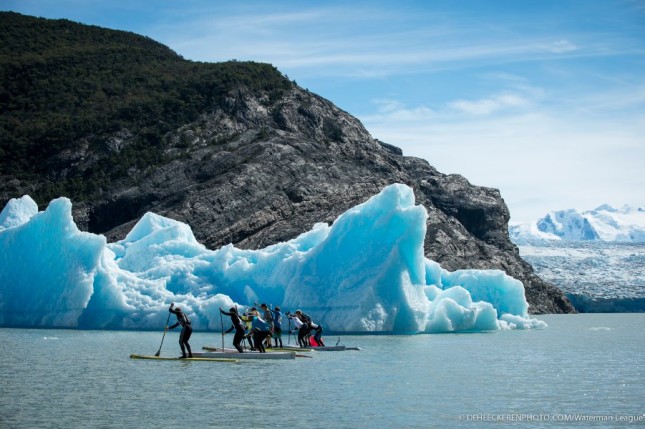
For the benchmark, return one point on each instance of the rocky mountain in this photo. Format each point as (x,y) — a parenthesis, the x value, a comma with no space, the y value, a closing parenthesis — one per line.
(123,126)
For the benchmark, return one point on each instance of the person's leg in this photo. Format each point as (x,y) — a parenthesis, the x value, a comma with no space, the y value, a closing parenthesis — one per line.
(301,337)
(237,341)
(260,341)
(318,336)
(185,334)
(278,337)
(181,345)
(249,338)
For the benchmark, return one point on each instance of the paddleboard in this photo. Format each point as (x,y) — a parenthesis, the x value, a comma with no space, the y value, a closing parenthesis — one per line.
(269,350)
(324,348)
(246,355)
(193,359)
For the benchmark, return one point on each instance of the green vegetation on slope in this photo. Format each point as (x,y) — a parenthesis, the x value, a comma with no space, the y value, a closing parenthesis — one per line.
(67,87)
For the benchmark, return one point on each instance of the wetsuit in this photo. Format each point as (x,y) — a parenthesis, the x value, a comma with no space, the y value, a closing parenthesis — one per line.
(239,329)
(186,331)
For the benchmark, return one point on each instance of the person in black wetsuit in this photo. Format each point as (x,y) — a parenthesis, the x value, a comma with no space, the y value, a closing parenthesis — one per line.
(238,326)
(186,330)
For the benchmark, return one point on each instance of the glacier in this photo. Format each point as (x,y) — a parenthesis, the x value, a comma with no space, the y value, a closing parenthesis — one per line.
(365,273)
(605,223)
(595,257)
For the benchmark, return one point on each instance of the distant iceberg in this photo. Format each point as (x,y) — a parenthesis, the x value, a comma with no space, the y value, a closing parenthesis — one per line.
(365,273)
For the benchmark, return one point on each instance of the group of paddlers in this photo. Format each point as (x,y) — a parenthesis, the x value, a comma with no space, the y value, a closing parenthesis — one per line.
(258,329)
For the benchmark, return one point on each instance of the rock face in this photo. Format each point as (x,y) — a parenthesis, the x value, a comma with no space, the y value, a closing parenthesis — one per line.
(253,176)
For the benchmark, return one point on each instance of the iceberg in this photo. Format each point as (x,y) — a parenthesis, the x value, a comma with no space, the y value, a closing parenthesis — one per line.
(17,212)
(365,273)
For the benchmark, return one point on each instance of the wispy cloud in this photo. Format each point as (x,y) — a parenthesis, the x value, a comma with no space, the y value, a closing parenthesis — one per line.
(366,42)
(560,47)
(525,152)
(485,106)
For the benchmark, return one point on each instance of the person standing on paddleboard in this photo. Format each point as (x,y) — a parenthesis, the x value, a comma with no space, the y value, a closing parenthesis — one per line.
(318,330)
(268,318)
(305,330)
(300,327)
(247,318)
(260,333)
(186,330)
(277,326)
(239,328)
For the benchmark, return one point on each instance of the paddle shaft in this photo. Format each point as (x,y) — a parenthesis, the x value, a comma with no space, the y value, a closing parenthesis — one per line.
(164,335)
(289,321)
(221,321)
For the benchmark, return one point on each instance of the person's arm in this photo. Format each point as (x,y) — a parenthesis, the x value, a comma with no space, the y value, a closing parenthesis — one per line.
(174,326)
(225,312)
(230,329)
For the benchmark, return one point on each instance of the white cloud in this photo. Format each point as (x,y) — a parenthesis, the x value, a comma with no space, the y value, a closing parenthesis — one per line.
(560,47)
(486,106)
(541,159)
(344,41)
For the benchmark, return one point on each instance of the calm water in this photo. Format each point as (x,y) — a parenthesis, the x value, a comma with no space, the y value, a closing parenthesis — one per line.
(588,366)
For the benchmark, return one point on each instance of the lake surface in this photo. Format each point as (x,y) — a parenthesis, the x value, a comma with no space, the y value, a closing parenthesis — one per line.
(585,370)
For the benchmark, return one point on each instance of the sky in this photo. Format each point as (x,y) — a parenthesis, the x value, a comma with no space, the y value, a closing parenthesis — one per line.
(543,100)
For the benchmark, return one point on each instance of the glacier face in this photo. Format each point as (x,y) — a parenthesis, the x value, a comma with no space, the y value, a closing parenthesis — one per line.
(596,276)
(596,257)
(365,273)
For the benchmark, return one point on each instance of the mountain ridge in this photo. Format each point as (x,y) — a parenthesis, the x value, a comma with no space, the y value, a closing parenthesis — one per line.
(235,150)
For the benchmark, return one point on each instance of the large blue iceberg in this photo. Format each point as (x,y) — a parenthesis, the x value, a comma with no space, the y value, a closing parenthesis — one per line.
(365,273)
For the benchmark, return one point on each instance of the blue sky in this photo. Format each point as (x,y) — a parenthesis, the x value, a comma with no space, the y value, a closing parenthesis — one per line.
(544,100)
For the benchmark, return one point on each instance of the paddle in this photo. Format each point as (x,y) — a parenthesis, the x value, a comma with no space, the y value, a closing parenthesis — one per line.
(221,321)
(164,335)
(289,318)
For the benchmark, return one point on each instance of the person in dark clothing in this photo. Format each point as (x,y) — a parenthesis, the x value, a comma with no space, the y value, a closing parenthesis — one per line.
(238,326)
(298,325)
(186,330)
(305,328)
(268,318)
(260,333)
(277,326)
